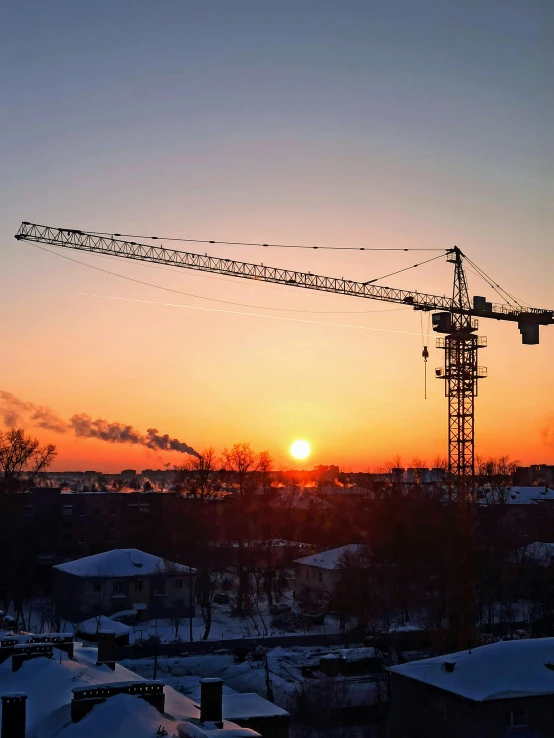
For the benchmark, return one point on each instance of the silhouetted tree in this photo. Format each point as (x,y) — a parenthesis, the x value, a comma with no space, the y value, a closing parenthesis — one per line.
(22,458)
(247,471)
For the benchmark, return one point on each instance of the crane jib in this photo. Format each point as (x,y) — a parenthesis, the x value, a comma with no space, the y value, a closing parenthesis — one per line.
(83,241)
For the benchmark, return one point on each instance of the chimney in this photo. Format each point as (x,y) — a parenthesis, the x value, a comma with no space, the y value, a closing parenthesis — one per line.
(13,715)
(211,701)
(106,649)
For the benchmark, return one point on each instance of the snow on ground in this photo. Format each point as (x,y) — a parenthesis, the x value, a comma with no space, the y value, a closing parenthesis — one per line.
(285,671)
(227,627)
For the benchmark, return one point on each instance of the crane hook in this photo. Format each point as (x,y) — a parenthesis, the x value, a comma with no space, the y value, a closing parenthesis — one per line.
(425,354)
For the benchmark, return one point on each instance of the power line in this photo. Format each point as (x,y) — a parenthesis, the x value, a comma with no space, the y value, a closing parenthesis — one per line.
(254,243)
(212,299)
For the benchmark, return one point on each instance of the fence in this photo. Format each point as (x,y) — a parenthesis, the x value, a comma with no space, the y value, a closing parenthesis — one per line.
(184,648)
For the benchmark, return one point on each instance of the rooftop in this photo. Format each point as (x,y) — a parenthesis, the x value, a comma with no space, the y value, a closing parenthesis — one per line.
(121,562)
(538,552)
(503,670)
(49,685)
(329,559)
(92,626)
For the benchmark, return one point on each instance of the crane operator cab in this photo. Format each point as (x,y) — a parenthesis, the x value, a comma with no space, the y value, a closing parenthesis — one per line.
(442,322)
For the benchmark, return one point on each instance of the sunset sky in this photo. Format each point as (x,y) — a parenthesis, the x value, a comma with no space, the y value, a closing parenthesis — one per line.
(392,124)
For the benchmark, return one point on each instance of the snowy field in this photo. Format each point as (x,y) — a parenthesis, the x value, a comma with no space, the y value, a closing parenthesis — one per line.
(225,626)
(284,671)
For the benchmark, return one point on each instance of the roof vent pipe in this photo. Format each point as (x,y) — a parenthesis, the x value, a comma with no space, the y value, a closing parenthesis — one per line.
(211,701)
(14,715)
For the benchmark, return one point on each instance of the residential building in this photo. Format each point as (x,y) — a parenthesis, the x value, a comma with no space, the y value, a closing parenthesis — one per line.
(48,693)
(317,575)
(493,691)
(123,580)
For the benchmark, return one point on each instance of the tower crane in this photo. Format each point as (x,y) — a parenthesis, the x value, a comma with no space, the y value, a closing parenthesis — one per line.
(455,317)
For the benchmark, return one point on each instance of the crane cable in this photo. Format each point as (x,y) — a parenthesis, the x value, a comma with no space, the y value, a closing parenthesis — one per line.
(399,271)
(425,349)
(213,299)
(513,301)
(255,243)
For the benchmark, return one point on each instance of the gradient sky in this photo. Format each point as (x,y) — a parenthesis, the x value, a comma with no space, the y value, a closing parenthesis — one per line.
(393,124)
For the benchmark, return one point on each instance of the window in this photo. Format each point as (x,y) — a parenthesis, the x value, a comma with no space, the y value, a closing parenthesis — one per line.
(96,586)
(516,719)
(145,509)
(81,511)
(66,538)
(138,585)
(28,511)
(111,525)
(158,587)
(117,586)
(112,511)
(320,577)
(441,705)
(67,524)
(67,510)
(178,584)
(111,539)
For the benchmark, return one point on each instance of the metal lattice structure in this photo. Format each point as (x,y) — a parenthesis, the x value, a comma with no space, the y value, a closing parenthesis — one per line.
(461,373)
(457,319)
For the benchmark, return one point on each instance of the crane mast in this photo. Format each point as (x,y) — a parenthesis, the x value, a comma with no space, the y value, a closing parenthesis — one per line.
(461,372)
(456,317)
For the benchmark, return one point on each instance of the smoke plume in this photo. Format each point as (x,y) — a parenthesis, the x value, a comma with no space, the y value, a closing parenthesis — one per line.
(14,411)
(85,427)
(547,432)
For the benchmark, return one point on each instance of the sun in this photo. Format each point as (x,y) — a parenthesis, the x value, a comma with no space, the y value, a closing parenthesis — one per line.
(300,449)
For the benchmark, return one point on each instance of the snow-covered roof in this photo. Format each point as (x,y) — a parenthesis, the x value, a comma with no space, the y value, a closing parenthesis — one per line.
(48,684)
(541,553)
(516,495)
(503,670)
(329,559)
(536,493)
(92,626)
(249,705)
(121,562)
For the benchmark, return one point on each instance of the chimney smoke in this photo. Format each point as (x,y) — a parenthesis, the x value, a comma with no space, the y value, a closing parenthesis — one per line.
(14,411)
